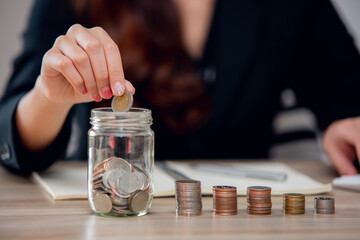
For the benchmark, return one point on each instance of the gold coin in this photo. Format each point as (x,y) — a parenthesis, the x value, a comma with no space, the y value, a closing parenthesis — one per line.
(122,103)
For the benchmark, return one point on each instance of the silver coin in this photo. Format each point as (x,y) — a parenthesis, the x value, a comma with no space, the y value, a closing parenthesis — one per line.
(97,177)
(144,181)
(128,183)
(105,179)
(121,194)
(121,208)
(105,189)
(97,180)
(100,166)
(119,201)
(122,211)
(102,203)
(138,201)
(117,163)
(114,176)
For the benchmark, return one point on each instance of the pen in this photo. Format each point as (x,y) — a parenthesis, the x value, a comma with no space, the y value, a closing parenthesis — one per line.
(249,173)
(172,172)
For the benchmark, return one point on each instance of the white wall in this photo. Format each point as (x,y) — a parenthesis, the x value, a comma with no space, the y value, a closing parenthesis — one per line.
(13,18)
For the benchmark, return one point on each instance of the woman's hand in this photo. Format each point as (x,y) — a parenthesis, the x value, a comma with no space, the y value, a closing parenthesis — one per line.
(342,144)
(83,65)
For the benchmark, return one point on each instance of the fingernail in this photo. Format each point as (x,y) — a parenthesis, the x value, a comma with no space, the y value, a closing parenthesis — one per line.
(106,92)
(84,91)
(118,89)
(97,98)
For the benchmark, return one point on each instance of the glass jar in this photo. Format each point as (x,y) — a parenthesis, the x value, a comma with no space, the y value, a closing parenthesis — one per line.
(121,162)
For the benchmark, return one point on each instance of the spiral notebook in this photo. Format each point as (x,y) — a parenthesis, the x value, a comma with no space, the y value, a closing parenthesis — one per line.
(71,183)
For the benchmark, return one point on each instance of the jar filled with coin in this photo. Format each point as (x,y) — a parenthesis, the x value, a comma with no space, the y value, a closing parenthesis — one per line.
(121,162)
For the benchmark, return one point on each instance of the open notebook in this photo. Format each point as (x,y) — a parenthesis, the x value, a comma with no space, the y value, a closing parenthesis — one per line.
(72,183)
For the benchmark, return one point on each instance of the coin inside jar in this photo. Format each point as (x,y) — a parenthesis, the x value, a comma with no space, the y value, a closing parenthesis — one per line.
(117,163)
(138,201)
(102,203)
(122,103)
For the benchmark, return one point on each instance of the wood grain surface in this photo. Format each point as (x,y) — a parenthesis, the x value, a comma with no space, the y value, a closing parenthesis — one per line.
(26,212)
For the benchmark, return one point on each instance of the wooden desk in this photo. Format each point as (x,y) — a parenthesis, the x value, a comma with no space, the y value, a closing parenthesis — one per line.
(26,212)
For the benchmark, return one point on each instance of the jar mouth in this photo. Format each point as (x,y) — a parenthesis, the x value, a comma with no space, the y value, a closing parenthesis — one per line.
(109,111)
(134,115)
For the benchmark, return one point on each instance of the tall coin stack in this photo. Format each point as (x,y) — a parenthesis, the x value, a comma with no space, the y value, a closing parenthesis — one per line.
(294,203)
(188,197)
(259,200)
(324,205)
(225,200)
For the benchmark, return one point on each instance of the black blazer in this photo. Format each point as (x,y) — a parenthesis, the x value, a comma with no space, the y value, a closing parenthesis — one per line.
(255,49)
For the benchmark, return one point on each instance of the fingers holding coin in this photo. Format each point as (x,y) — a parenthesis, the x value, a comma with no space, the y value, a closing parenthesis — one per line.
(93,47)
(88,61)
(113,61)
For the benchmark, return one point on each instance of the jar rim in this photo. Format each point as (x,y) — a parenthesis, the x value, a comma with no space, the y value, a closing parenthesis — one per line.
(110,112)
(106,115)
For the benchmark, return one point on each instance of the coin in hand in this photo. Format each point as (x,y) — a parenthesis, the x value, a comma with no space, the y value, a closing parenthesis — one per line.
(122,103)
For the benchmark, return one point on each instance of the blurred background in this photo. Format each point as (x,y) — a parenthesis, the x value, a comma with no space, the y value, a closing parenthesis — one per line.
(295,128)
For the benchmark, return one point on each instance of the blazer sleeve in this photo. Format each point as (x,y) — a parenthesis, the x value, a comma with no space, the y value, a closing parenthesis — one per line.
(327,67)
(48,20)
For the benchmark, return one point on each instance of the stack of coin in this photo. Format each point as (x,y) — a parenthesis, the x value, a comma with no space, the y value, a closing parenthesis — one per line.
(324,205)
(225,200)
(294,203)
(188,197)
(259,200)
(118,188)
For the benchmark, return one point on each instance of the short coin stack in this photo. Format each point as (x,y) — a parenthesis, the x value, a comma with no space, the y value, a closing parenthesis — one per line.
(119,188)
(294,203)
(324,205)
(188,197)
(259,200)
(225,200)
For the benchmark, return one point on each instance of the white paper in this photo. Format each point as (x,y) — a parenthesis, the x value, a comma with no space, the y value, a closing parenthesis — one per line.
(71,183)
(296,182)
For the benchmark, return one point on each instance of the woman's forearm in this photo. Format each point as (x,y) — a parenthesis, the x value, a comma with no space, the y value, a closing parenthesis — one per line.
(39,120)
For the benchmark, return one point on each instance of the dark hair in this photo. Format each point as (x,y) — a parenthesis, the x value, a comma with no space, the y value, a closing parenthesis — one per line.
(148,34)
